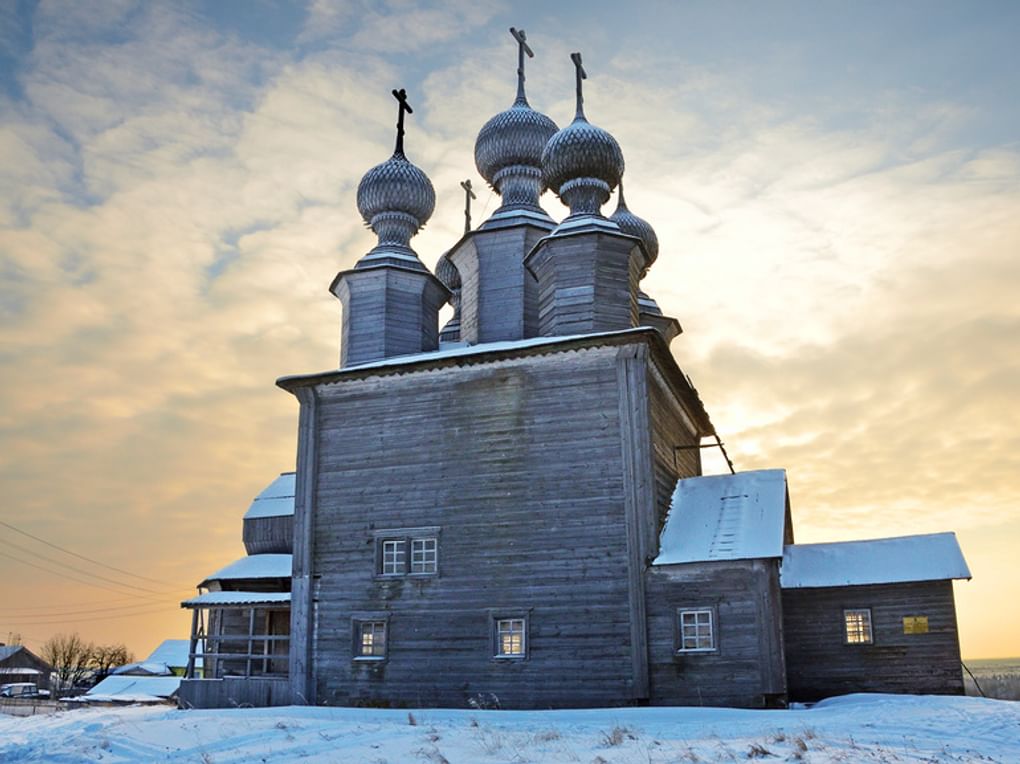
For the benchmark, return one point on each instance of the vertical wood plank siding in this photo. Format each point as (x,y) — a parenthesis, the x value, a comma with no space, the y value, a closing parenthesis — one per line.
(519,462)
(821,664)
(269,535)
(747,668)
(302,613)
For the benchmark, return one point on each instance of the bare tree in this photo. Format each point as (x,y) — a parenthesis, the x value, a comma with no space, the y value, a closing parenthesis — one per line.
(105,658)
(71,657)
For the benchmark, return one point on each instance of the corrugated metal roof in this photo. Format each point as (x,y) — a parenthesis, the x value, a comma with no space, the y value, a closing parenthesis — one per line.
(930,557)
(276,500)
(254,566)
(725,517)
(224,599)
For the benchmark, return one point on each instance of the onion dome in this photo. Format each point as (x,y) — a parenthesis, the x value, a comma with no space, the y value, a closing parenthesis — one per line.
(637,227)
(508,150)
(447,273)
(582,163)
(395,200)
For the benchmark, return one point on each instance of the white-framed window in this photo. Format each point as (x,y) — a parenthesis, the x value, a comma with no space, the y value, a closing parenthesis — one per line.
(393,557)
(407,551)
(696,630)
(858,626)
(370,639)
(511,637)
(424,556)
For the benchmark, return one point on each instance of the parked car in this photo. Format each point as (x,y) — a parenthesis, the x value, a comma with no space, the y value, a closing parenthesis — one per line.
(22,690)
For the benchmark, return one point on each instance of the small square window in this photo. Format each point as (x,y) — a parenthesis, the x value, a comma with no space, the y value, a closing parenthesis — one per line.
(511,638)
(424,557)
(370,639)
(696,630)
(858,626)
(393,557)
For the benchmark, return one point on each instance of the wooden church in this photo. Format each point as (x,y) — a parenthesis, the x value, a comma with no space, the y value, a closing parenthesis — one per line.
(511,512)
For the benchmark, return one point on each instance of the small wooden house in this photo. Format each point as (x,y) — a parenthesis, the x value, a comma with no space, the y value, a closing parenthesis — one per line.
(511,510)
(19,664)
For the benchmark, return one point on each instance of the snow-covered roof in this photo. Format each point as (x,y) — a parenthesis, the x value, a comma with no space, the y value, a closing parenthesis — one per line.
(276,500)
(144,668)
(6,651)
(172,652)
(18,670)
(222,599)
(931,557)
(725,517)
(255,566)
(133,689)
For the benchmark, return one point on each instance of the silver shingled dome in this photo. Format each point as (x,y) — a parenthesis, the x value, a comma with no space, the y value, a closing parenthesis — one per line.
(396,186)
(640,228)
(513,137)
(581,150)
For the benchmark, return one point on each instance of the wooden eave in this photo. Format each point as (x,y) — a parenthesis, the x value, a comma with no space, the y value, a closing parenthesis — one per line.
(659,352)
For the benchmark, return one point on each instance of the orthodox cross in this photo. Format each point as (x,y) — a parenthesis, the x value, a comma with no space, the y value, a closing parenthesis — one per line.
(468,196)
(401,96)
(522,48)
(581,75)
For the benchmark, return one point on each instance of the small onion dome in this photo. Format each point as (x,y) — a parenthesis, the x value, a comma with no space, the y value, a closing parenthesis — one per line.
(508,153)
(395,199)
(637,227)
(447,273)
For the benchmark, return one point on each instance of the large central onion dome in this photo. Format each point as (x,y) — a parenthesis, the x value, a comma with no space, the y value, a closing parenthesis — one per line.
(637,227)
(582,163)
(508,150)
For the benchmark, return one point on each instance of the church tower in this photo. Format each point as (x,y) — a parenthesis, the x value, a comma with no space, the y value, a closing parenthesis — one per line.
(497,298)
(390,300)
(587,268)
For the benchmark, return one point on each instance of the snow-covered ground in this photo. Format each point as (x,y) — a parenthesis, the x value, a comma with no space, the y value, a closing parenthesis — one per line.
(855,728)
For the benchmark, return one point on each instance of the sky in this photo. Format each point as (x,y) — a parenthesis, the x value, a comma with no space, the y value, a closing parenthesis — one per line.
(835,187)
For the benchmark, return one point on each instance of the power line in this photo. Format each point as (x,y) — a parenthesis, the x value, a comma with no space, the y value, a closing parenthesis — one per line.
(90,611)
(79,556)
(132,599)
(63,620)
(64,575)
(78,570)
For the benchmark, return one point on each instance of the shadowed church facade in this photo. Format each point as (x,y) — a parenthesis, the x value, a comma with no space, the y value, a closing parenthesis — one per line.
(511,511)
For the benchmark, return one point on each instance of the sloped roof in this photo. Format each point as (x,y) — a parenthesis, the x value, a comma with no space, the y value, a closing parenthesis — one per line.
(254,566)
(144,668)
(223,599)
(725,517)
(930,557)
(8,650)
(276,500)
(172,652)
(133,689)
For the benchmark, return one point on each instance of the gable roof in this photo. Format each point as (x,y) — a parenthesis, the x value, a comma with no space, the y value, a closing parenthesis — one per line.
(6,651)
(276,499)
(725,517)
(254,566)
(132,689)
(172,652)
(930,557)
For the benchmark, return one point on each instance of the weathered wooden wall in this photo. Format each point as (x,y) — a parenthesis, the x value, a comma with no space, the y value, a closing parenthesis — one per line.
(519,463)
(269,535)
(821,664)
(747,668)
(233,693)
(26,659)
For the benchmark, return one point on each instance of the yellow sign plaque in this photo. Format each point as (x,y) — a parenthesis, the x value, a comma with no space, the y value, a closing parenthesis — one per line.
(915,624)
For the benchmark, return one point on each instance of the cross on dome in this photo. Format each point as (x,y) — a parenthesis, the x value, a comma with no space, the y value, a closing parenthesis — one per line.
(580,74)
(522,48)
(404,106)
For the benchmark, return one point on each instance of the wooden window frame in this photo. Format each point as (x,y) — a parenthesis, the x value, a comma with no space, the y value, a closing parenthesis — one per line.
(404,540)
(850,612)
(425,552)
(498,617)
(358,624)
(713,626)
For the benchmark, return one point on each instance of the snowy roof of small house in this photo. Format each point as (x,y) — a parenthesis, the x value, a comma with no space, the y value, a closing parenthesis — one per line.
(223,599)
(254,566)
(725,517)
(930,557)
(276,500)
(6,651)
(172,652)
(133,689)
(144,668)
